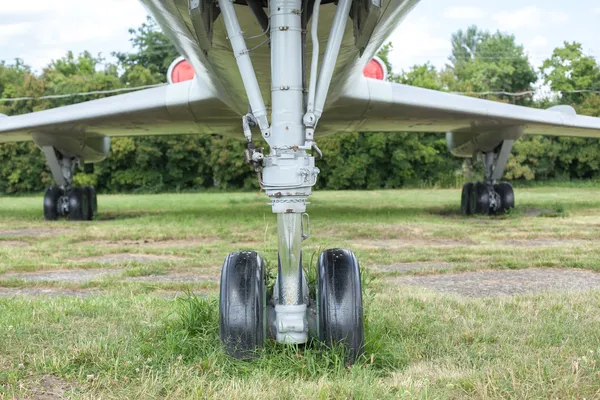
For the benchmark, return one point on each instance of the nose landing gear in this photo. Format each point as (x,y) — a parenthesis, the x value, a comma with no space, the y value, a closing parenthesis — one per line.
(287,175)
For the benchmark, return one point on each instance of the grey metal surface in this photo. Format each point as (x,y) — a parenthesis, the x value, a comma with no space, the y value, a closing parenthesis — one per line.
(501,160)
(289,233)
(378,106)
(184,108)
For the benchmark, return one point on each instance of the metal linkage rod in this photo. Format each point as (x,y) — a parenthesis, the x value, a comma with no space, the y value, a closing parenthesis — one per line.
(331,54)
(314,64)
(242,56)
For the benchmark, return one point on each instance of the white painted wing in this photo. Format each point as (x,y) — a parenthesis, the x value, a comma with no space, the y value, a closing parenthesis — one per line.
(369,105)
(191,107)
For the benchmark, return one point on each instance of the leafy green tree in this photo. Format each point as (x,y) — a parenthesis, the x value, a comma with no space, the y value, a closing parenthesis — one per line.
(570,70)
(567,71)
(154,52)
(482,62)
(22,169)
(79,74)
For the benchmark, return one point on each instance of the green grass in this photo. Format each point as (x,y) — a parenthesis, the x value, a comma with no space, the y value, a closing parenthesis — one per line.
(131,336)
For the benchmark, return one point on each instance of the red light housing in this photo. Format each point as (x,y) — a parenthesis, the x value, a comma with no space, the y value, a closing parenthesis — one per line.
(180,71)
(375,69)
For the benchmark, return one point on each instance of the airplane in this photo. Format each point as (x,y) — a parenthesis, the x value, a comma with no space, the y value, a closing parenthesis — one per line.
(293,72)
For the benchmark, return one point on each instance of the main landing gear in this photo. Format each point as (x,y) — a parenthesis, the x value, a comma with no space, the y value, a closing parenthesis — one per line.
(78,204)
(287,174)
(64,200)
(489,197)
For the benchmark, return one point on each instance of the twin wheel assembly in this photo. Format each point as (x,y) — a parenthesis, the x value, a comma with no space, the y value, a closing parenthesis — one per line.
(77,204)
(487,199)
(247,318)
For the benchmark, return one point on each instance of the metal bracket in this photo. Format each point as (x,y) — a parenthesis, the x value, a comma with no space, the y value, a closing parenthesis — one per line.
(203,13)
(260,14)
(305,226)
(365,14)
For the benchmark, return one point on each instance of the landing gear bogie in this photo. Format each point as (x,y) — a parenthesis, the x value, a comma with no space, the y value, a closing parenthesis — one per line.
(245,314)
(77,204)
(487,199)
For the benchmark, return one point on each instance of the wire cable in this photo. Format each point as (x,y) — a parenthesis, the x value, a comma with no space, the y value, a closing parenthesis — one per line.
(91,93)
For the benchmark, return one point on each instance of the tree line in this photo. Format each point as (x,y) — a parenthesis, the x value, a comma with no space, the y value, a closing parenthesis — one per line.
(481,64)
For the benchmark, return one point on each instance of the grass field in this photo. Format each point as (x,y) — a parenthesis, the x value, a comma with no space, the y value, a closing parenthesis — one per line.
(456,307)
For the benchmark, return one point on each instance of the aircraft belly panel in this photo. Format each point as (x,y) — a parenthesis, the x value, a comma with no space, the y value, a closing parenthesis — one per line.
(220,66)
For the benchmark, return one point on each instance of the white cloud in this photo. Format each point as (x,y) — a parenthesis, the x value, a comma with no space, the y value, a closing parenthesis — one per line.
(538,42)
(460,13)
(416,42)
(528,17)
(31,6)
(44,30)
(597,11)
(9,31)
(558,17)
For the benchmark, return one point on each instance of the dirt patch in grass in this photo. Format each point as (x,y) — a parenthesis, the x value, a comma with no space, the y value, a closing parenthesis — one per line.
(413,266)
(543,242)
(50,292)
(536,212)
(33,232)
(68,276)
(506,282)
(175,278)
(128,258)
(48,387)
(13,243)
(400,243)
(151,243)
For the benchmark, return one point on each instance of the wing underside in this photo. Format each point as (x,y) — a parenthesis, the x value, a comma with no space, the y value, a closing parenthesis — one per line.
(389,107)
(185,108)
(368,105)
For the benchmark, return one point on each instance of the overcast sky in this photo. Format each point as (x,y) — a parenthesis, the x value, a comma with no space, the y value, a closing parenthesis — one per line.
(41,30)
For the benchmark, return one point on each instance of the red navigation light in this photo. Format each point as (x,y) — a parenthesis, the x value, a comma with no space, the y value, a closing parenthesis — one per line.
(180,70)
(375,69)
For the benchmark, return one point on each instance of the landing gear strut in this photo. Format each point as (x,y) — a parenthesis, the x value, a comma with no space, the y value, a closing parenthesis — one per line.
(287,175)
(490,197)
(76,203)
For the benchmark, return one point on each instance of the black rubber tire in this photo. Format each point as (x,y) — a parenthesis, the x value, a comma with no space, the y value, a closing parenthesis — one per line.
(465,200)
(51,197)
(339,301)
(480,199)
(79,205)
(507,196)
(93,201)
(242,304)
